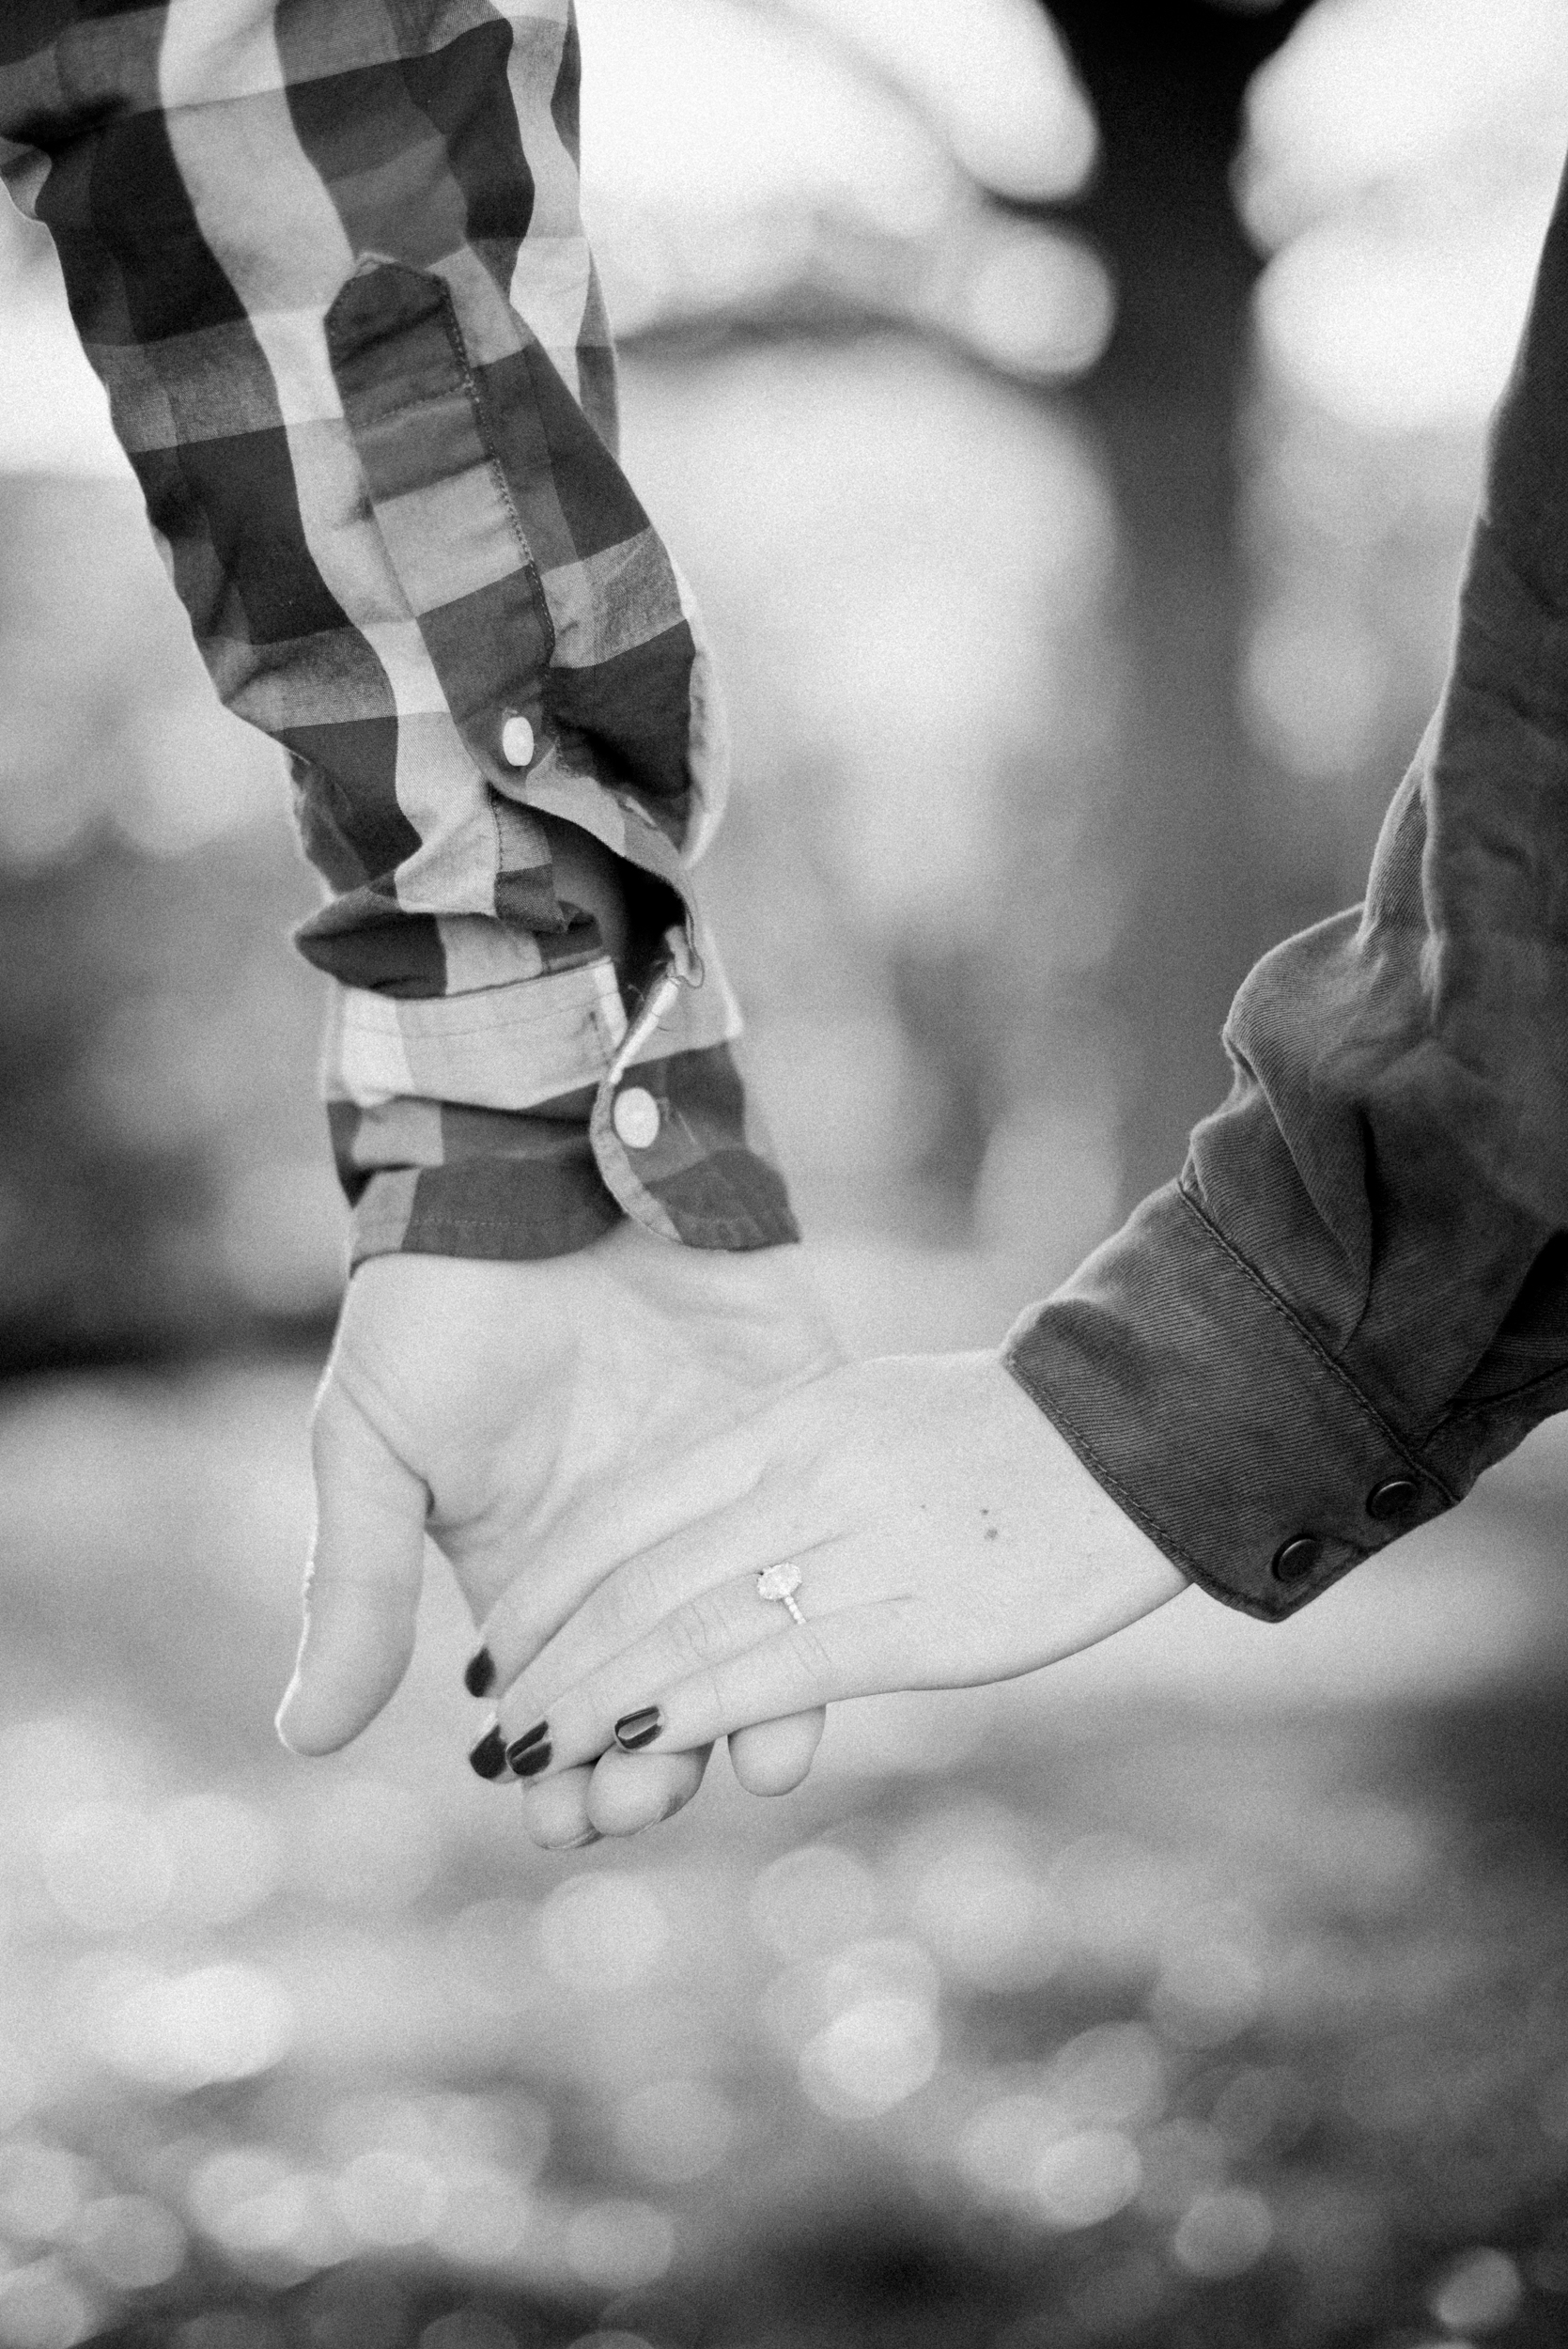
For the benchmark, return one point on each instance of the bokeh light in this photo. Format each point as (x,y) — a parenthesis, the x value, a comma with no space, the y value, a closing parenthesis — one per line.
(367,1845)
(1208,1992)
(1369,96)
(184,2031)
(813,1899)
(468,2328)
(986,1918)
(599,1935)
(1082,2179)
(43,2307)
(1399,166)
(108,1866)
(1390,333)
(1004,92)
(875,2051)
(1478,2294)
(388,2198)
(674,2130)
(749,161)
(225,1855)
(248,2200)
(131,2241)
(1223,2235)
(42,2187)
(617,2244)
(53,410)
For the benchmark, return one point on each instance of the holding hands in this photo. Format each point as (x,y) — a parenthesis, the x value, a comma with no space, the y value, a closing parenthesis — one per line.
(520,1414)
(676,1516)
(916,1523)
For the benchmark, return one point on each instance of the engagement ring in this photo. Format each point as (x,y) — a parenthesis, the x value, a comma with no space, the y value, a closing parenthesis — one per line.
(781,1582)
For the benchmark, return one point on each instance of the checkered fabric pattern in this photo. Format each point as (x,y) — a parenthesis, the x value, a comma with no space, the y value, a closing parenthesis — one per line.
(326,258)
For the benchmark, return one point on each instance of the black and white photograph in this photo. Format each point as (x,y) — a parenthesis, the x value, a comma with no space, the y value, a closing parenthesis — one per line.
(784,1173)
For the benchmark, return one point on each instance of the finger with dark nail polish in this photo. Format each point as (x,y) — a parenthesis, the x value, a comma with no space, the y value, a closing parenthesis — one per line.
(479,1673)
(530,1753)
(634,1730)
(489,1757)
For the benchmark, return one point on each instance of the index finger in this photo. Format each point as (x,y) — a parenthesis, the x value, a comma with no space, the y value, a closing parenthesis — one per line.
(851,1653)
(574,1556)
(727,1661)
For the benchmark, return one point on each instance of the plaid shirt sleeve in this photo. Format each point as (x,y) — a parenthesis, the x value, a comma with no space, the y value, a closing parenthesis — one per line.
(328,263)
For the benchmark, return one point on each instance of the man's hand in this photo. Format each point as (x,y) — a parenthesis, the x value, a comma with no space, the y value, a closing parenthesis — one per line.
(517,1410)
(932,1528)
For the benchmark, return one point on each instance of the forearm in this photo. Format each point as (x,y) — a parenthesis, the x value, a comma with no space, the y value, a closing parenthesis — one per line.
(1355,1298)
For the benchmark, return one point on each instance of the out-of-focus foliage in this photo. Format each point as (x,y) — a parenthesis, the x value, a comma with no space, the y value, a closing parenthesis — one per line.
(768,159)
(161,1178)
(1400,163)
(910,580)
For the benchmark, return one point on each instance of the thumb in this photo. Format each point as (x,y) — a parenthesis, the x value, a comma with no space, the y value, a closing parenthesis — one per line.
(362,1587)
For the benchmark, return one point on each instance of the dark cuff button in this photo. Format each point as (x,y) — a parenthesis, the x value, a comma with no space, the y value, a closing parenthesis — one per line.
(1395,1497)
(1295,1560)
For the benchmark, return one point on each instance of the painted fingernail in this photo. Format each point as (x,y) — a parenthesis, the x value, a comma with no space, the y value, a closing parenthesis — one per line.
(530,1753)
(479,1673)
(489,1757)
(638,1728)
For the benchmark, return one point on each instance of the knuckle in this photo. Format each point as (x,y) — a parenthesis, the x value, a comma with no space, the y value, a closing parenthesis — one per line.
(813,1654)
(633,1595)
(701,1627)
(710,1694)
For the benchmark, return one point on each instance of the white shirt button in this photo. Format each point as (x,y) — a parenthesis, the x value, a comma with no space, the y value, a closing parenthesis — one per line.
(635,1117)
(517,742)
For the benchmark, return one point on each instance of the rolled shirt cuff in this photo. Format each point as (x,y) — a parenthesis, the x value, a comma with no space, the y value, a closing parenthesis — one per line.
(524,1121)
(1199,1402)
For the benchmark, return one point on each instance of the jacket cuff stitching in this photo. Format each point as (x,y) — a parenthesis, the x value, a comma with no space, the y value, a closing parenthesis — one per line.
(1352,1394)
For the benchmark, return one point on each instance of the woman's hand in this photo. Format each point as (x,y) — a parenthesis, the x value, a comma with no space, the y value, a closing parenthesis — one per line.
(943,1532)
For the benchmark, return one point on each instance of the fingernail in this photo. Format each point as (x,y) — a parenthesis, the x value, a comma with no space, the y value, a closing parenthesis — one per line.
(479,1673)
(530,1753)
(489,1757)
(638,1728)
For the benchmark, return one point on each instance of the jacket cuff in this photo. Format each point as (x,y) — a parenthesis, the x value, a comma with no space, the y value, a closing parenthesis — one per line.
(1198,1400)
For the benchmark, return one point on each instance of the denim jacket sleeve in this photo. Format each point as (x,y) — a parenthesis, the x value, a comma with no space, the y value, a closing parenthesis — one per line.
(1355,1296)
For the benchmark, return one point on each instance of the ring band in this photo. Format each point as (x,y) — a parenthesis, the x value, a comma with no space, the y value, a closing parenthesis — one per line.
(781,1582)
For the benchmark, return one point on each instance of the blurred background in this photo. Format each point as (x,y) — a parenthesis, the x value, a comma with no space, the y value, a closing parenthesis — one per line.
(1070,423)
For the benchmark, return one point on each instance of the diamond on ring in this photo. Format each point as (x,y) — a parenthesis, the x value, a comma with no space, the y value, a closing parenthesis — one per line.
(781,1582)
